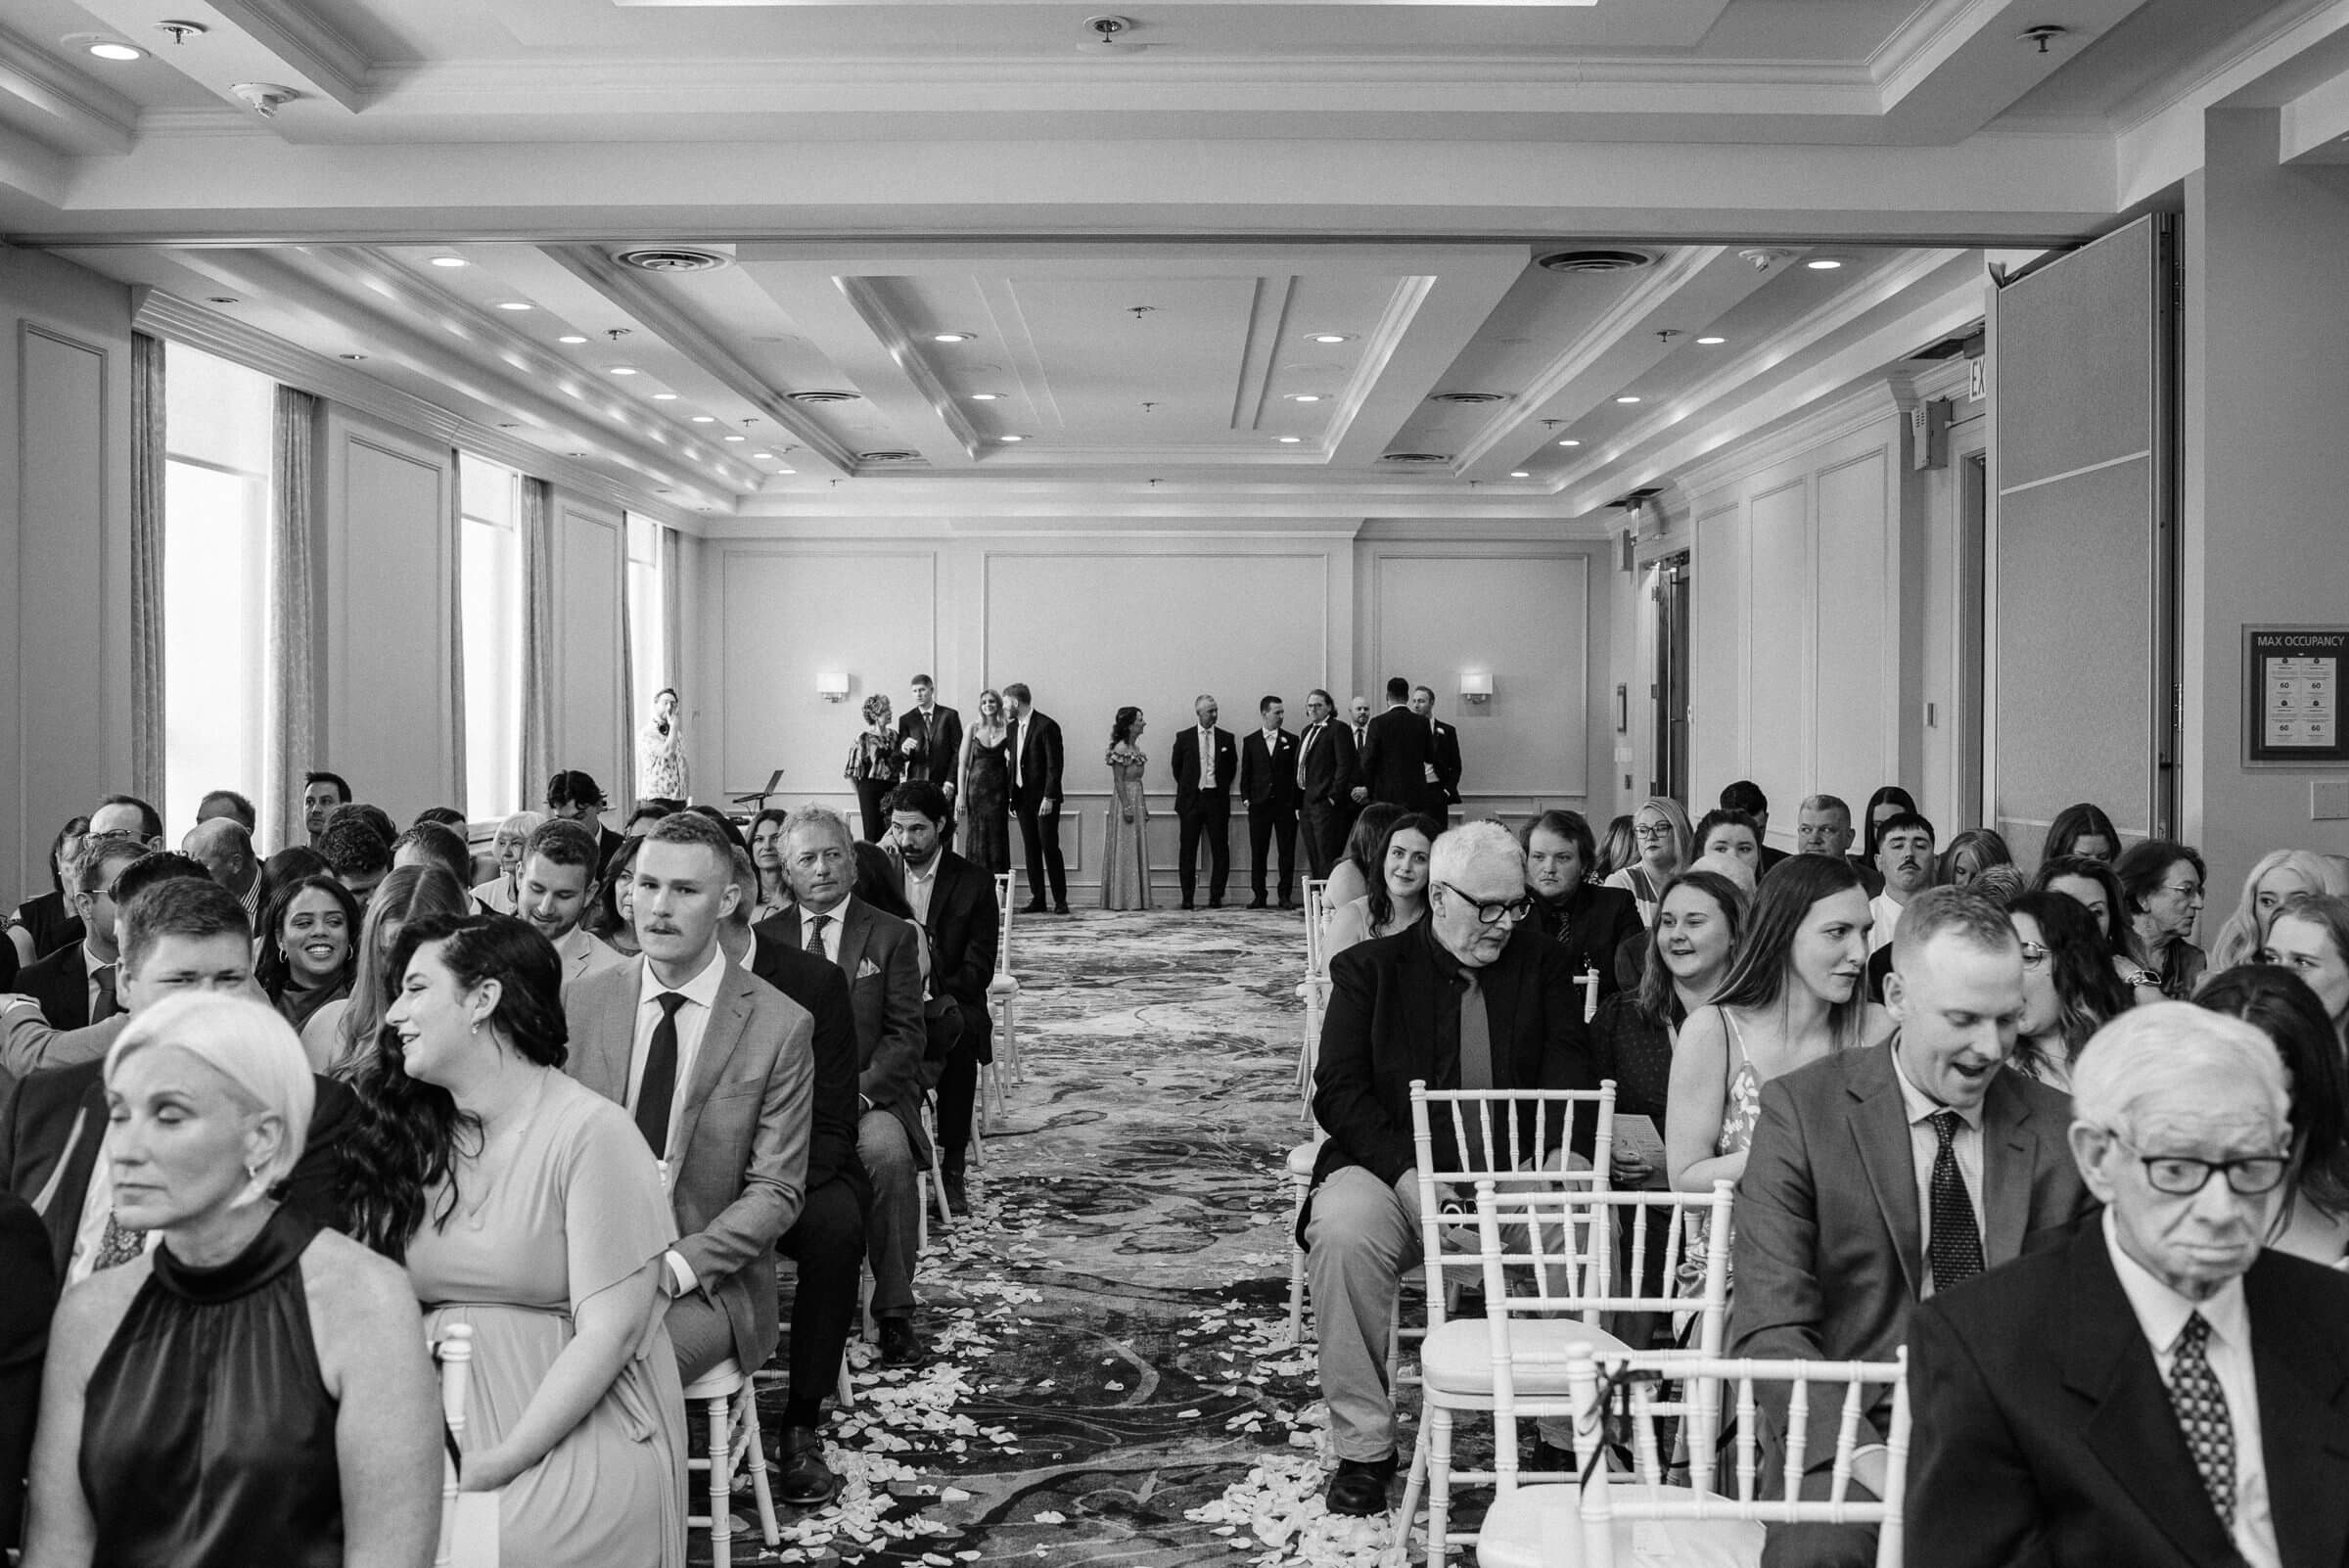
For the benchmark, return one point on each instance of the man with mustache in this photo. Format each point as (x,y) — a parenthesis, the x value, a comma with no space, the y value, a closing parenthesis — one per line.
(1904,860)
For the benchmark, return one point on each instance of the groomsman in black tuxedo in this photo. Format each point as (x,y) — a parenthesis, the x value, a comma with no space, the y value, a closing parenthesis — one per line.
(1036,761)
(1205,759)
(1325,779)
(1398,760)
(930,743)
(1444,759)
(1269,784)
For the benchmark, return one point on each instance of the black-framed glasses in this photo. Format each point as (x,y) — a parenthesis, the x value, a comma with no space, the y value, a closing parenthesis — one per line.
(1492,912)
(2181,1176)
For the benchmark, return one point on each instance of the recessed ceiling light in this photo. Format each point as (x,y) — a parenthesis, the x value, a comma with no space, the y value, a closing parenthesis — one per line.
(1626,397)
(448,260)
(1712,342)
(738,438)
(1011,438)
(664,397)
(1288,441)
(350,356)
(1305,397)
(1823,263)
(764,458)
(1329,337)
(705,419)
(1519,473)
(518,305)
(108,49)
(1570,443)
(571,337)
(624,370)
(986,398)
(952,337)
(220,298)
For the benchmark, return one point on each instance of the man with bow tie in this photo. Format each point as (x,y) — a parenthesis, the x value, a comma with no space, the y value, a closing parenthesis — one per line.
(1269,784)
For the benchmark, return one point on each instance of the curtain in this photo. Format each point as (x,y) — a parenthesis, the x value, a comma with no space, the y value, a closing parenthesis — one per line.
(289,713)
(146,566)
(537,638)
(670,664)
(629,718)
(455,523)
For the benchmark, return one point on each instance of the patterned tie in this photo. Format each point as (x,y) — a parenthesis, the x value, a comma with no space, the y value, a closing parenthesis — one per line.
(106,1004)
(816,934)
(1307,745)
(1956,1250)
(660,1084)
(119,1245)
(2201,1407)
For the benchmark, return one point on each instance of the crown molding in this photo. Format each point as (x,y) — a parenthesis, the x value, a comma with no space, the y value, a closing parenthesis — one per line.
(192,124)
(1871,403)
(307,41)
(168,317)
(84,117)
(1919,46)
(2269,42)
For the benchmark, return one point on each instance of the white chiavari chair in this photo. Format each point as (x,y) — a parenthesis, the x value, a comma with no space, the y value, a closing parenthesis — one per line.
(1581,1525)
(468,1519)
(1301,1180)
(726,1399)
(1003,1000)
(1313,991)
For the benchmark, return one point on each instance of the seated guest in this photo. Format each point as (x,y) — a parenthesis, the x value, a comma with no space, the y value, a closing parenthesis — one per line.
(607,916)
(2310,936)
(1824,827)
(432,844)
(76,986)
(357,855)
(2083,830)
(954,901)
(1698,923)
(2279,1005)
(1887,803)
(290,864)
(1904,860)
(225,849)
(558,889)
(766,854)
(1399,899)
(1746,796)
(1732,836)
(576,797)
(502,892)
(717,1067)
(827,1241)
(2069,989)
(1365,853)
(40,925)
(1471,998)
(2001,884)
(2153,1389)
(1587,921)
(309,947)
(881,957)
(2277,875)
(343,1033)
(1969,854)
(321,793)
(1618,848)
(254,1389)
(24,1310)
(373,817)
(640,821)
(2091,884)
(129,816)
(1791,997)
(1666,847)
(229,805)
(182,934)
(527,1206)
(2162,882)
(1878,1178)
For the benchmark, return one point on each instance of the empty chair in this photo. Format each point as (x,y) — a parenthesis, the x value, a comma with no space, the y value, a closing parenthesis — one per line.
(726,1398)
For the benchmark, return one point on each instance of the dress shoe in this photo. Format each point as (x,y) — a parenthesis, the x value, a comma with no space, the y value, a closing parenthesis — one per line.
(1060,908)
(1187,904)
(1035,906)
(1541,1456)
(1359,1486)
(801,1477)
(1215,904)
(901,1346)
(957,1204)
(1290,905)
(1256,903)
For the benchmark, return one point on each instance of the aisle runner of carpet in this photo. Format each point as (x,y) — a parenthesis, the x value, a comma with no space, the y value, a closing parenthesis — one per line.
(1111,1381)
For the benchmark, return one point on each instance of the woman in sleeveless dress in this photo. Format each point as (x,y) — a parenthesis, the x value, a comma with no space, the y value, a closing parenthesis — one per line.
(982,797)
(1660,827)
(231,1385)
(529,1207)
(1126,852)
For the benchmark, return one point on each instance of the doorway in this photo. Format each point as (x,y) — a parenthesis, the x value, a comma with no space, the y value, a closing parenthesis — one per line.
(1668,772)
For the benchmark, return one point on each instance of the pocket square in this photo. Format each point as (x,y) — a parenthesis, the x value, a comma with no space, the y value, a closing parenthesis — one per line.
(866,968)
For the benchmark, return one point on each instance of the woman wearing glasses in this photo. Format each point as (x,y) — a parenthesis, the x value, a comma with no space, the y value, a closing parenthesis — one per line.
(2069,988)
(2163,884)
(2276,1001)
(1660,827)
(1397,899)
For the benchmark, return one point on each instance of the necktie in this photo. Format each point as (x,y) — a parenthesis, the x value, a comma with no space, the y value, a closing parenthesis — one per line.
(816,935)
(119,1245)
(105,1006)
(1207,758)
(1019,736)
(2201,1407)
(1956,1250)
(1304,746)
(660,1082)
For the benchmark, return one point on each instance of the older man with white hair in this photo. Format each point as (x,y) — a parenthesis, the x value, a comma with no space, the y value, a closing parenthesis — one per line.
(1471,998)
(2161,1391)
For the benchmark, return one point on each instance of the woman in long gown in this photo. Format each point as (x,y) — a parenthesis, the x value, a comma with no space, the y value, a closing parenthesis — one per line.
(1124,854)
(529,1207)
(983,796)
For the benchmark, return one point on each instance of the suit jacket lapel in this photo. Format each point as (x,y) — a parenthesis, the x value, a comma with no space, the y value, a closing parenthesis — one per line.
(604,1058)
(69,1184)
(856,924)
(2304,1429)
(2009,1156)
(729,1012)
(1880,1130)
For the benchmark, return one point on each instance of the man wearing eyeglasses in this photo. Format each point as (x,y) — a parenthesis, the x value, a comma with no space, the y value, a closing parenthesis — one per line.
(1473,996)
(2159,1390)
(1878,1179)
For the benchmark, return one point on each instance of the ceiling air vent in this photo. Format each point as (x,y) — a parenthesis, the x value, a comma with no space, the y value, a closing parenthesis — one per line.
(672,258)
(1416,457)
(889,457)
(822,397)
(1595,261)
(1469,397)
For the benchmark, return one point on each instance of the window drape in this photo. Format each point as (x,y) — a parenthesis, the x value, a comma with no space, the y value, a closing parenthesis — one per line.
(147,452)
(537,639)
(290,712)
(629,717)
(456,629)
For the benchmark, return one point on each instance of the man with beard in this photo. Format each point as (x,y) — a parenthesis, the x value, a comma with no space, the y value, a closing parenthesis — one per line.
(555,887)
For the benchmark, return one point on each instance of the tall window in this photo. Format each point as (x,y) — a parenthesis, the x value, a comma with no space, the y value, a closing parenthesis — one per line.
(492,496)
(648,619)
(217,422)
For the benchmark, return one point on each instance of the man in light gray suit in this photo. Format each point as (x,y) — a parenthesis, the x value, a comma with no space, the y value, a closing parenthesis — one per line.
(718,1068)
(878,954)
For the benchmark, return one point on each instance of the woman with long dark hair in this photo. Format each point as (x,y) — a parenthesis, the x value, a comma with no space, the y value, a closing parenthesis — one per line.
(2315,1223)
(528,1207)
(2080,829)
(607,918)
(1635,1033)
(767,856)
(1125,852)
(1366,846)
(309,947)
(1398,899)
(2069,988)
(342,1033)
(1883,806)
(2091,883)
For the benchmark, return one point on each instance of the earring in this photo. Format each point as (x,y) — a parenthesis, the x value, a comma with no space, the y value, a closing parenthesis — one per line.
(252,1172)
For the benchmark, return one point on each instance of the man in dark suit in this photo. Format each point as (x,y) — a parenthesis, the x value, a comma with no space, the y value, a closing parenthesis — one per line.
(718,1070)
(1589,922)
(77,984)
(1443,755)
(1744,795)
(1203,761)
(1877,1177)
(1269,784)
(1036,760)
(879,956)
(1325,779)
(1399,757)
(186,933)
(930,743)
(2158,1391)
(956,903)
(25,1308)
(1469,997)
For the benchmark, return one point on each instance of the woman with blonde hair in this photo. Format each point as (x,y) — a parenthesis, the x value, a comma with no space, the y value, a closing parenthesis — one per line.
(1660,828)
(504,892)
(983,794)
(2279,874)
(248,1388)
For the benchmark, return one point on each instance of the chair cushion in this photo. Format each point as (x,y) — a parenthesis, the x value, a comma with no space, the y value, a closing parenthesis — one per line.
(1457,1356)
(1541,1527)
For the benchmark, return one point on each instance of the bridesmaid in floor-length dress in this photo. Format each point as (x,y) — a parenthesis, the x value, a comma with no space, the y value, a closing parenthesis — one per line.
(984,795)
(1126,852)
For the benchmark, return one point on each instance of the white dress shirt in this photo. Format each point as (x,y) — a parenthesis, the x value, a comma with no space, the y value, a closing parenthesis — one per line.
(693,1020)
(2161,1313)
(1019,742)
(1887,915)
(1924,1147)
(920,883)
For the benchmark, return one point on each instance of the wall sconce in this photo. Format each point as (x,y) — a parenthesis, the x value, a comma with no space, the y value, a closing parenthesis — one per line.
(832,686)
(1477,686)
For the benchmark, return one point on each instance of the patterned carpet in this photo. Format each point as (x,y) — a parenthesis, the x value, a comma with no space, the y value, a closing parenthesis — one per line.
(1112,1383)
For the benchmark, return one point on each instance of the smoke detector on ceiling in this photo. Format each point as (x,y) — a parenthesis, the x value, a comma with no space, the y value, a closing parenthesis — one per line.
(1416,457)
(889,457)
(822,395)
(672,258)
(1595,261)
(1468,397)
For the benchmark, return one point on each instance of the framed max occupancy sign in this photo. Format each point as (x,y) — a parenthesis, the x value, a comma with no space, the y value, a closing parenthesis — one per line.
(2292,685)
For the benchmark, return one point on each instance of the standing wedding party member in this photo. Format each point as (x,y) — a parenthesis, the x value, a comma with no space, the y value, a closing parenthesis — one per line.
(1125,850)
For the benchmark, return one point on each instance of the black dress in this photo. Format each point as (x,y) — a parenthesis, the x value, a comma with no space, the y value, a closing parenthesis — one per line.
(50,922)
(987,800)
(208,1438)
